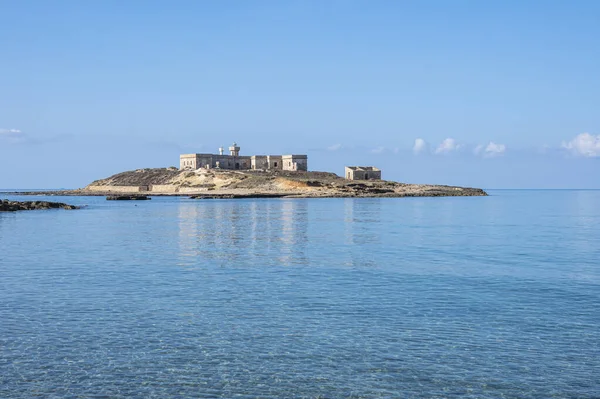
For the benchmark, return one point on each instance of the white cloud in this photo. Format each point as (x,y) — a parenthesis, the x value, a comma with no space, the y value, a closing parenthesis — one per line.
(447,146)
(378,150)
(585,145)
(491,150)
(334,147)
(420,146)
(10,132)
(494,150)
(11,135)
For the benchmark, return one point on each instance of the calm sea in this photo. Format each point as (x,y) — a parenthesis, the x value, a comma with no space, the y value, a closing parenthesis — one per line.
(495,297)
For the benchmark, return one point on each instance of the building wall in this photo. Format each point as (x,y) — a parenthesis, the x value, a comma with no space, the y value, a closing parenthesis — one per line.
(275,162)
(352,174)
(259,162)
(204,160)
(245,162)
(231,162)
(295,162)
(222,161)
(348,173)
(302,164)
(268,162)
(187,161)
(375,175)
(195,161)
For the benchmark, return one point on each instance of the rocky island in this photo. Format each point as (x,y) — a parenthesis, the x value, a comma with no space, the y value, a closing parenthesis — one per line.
(217,183)
(208,176)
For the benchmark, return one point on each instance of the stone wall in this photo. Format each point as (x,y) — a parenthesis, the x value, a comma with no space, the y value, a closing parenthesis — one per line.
(164,188)
(271,162)
(155,188)
(119,189)
(295,162)
(362,173)
(259,162)
(203,160)
(275,162)
(188,161)
(231,162)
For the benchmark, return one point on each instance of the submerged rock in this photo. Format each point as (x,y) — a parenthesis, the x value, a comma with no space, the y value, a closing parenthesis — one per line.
(13,206)
(238,196)
(127,198)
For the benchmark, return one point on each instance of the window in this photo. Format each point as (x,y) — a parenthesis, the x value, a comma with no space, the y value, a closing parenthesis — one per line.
(275,164)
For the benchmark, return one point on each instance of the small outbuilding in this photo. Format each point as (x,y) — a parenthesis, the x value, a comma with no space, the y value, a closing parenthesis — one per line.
(362,173)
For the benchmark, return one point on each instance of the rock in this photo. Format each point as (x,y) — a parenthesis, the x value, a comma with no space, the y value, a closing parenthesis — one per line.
(240,196)
(127,198)
(13,206)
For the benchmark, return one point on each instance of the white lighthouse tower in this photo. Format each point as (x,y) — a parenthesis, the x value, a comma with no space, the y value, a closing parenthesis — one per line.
(234,150)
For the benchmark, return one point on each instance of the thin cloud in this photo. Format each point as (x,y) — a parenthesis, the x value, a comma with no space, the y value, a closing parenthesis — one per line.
(494,149)
(378,150)
(491,150)
(11,135)
(447,146)
(9,131)
(584,145)
(420,146)
(334,147)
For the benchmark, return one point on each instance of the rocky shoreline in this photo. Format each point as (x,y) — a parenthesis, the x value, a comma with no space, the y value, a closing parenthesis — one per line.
(13,206)
(434,191)
(225,184)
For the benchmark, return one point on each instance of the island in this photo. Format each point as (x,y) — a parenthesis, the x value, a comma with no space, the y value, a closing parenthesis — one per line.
(203,183)
(221,175)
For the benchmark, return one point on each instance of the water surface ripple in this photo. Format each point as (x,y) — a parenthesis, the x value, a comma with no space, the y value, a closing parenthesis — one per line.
(493,297)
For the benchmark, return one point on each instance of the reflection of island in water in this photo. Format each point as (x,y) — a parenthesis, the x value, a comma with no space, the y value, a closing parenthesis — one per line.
(243,233)
(258,233)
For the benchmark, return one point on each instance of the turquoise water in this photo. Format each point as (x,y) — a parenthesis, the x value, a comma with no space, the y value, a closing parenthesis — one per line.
(493,297)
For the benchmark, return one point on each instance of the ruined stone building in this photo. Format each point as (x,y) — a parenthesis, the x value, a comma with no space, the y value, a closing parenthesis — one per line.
(235,161)
(362,173)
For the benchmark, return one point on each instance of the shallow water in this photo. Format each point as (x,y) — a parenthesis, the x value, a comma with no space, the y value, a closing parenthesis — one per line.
(483,297)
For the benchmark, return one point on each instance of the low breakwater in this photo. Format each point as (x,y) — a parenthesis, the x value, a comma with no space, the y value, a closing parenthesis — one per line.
(13,206)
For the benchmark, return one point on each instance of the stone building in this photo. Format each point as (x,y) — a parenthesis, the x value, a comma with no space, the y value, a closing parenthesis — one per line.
(235,161)
(362,173)
(295,162)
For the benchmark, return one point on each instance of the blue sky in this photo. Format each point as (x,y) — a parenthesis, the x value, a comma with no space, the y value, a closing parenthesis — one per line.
(488,94)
